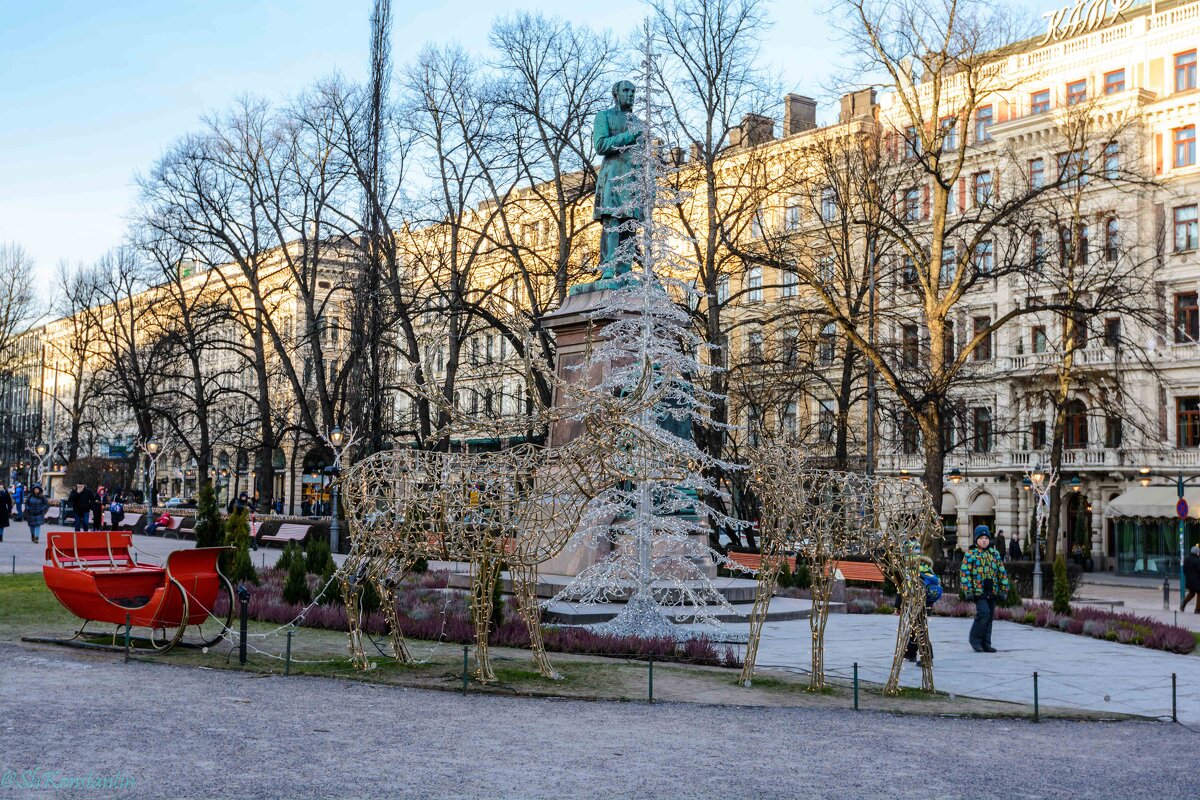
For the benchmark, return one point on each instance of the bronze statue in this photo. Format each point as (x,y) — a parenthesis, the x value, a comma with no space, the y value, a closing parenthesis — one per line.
(615,133)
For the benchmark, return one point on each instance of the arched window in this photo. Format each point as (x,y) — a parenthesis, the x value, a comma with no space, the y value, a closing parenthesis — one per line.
(1075,436)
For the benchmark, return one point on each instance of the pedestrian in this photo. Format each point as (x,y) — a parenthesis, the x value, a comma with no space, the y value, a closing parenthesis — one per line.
(240,503)
(35,511)
(18,497)
(1014,549)
(1001,545)
(164,520)
(99,504)
(982,578)
(81,501)
(932,586)
(6,507)
(116,510)
(1191,578)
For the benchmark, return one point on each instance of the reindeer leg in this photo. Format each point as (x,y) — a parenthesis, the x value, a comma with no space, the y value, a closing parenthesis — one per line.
(386,587)
(482,588)
(525,587)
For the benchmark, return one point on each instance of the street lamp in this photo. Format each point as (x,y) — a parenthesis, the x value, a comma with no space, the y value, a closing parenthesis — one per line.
(153,450)
(1041,482)
(338,441)
(41,450)
(955,476)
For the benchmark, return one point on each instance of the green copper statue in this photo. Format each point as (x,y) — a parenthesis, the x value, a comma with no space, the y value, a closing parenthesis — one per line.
(615,133)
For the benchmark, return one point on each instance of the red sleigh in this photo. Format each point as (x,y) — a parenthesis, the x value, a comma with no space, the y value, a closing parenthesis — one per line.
(97,577)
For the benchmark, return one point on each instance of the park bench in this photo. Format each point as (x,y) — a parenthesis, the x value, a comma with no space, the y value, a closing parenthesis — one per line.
(53,514)
(171,529)
(133,523)
(861,571)
(754,560)
(288,532)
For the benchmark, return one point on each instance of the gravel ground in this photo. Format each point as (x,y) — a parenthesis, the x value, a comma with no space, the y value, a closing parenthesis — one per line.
(183,733)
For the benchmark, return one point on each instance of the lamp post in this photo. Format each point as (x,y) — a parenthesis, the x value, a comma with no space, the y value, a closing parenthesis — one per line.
(1181,514)
(1042,482)
(153,450)
(41,450)
(338,441)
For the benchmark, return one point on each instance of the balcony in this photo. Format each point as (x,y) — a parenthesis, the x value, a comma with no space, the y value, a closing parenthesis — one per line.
(1039,363)
(1099,459)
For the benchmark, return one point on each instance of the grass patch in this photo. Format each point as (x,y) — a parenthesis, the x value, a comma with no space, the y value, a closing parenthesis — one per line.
(27,605)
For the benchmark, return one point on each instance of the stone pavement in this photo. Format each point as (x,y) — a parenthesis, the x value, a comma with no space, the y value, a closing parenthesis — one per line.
(1073,671)
(1141,596)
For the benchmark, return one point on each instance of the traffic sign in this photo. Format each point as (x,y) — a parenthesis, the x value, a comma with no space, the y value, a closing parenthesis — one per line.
(1181,508)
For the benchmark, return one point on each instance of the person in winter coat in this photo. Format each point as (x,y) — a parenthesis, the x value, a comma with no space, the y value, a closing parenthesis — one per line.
(116,509)
(1191,578)
(18,497)
(35,512)
(81,500)
(163,521)
(99,505)
(981,579)
(932,585)
(1014,549)
(6,507)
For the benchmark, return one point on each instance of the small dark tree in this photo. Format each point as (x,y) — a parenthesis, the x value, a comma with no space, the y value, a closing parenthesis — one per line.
(295,588)
(318,559)
(208,519)
(237,535)
(1062,586)
(291,552)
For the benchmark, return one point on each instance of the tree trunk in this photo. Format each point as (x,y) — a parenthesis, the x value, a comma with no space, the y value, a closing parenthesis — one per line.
(932,436)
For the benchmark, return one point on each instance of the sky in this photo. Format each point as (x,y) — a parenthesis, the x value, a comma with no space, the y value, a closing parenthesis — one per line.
(92,93)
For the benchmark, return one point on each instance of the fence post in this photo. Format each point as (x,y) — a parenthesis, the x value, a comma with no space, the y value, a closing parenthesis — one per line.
(1174,704)
(465,667)
(14,565)
(1035,699)
(856,686)
(287,665)
(650,672)
(127,621)
(244,606)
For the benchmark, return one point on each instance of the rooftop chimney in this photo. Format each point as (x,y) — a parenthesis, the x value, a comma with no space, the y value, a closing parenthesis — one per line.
(754,130)
(799,114)
(858,105)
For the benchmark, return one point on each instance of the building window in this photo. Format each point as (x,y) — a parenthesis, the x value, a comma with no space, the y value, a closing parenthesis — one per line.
(1183,141)
(827,346)
(949,265)
(1079,330)
(983,124)
(912,204)
(1112,161)
(1039,338)
(1112,332)
(1114,81)
(949,134)
(1073,249)
(949,351)
(1037,435)
(1185,71)
(908,270)
(1039,102)
(754,347)
(1112,240)
(1114,432)
(790,347)
(1071,172)
(981,188)
(1037,173)
(1187,318)
(789,419)
(1076,92)
(754,419)
(1075,437)
(826,271)
(1187,422)
(981,419)
(1037,248)
(754,293)
(791,216)
(829,206)
(910,345)
(789,283)
(912,142)
(984,258)
(723,289)
(825,418)
(1186,234)
(983,350)
(910,436)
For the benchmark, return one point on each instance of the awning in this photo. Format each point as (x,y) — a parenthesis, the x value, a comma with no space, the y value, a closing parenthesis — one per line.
(982,506)
(1152,501)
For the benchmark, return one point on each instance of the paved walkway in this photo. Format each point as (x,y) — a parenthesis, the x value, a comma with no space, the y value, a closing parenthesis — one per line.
(1137,595)
(181,733)
(1073,671)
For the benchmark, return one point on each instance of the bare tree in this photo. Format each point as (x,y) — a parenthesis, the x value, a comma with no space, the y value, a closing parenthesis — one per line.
(17,298)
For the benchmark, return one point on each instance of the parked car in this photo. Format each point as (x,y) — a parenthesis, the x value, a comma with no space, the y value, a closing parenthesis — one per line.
(175,502)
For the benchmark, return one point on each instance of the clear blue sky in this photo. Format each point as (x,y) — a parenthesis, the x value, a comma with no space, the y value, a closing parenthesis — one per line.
(93,92)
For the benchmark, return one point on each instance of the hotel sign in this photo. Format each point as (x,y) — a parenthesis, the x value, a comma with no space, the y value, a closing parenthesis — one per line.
(1084,16)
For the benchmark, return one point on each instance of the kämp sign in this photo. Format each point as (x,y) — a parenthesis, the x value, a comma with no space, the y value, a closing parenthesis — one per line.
(1083,16)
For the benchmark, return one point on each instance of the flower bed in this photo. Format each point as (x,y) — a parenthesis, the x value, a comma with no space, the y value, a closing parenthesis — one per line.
(431,611)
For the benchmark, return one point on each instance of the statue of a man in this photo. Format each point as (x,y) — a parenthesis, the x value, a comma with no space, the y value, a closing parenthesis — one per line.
(615,134)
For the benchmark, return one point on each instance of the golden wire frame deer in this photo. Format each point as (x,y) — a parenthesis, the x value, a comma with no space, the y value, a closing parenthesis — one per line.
(824,516)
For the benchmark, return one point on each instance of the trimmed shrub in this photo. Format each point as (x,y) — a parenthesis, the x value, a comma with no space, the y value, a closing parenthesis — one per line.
(291,552)
(237,535)
(208,519)
(1012,599)
(318,559)
(295,588)
(1062,586)
(801,578)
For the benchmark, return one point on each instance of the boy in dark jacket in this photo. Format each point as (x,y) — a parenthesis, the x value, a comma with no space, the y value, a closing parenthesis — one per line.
(981,579)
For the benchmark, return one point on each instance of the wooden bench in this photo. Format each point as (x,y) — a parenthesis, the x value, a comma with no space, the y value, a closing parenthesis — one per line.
(132,523)
(861,571)
(171,529)
(53,514)
(288,532)
(754,560)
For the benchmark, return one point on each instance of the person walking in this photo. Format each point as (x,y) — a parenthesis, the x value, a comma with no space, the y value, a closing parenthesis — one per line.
(18,497)
(6,507)
(932,586)
(1014,549)
(116,510)
(81,501)
(1191,578)
(99,504)
(981,579)
(35,512)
